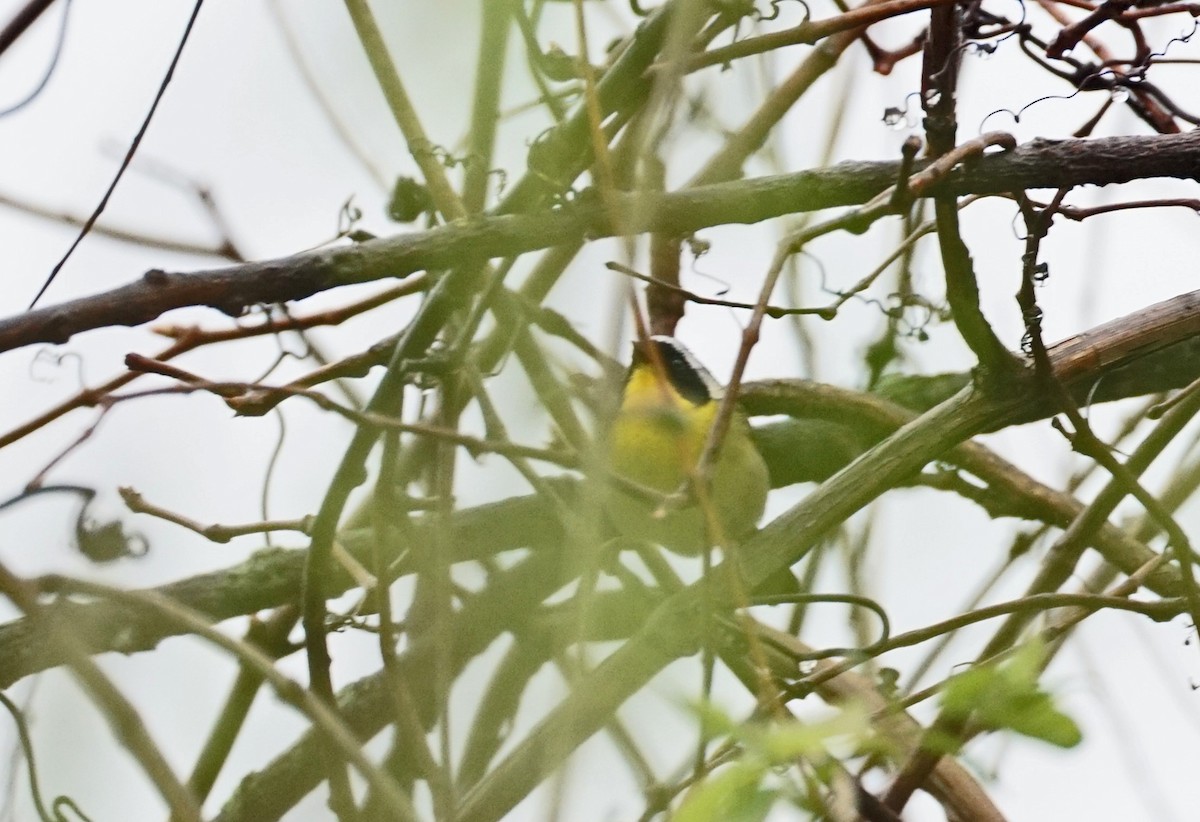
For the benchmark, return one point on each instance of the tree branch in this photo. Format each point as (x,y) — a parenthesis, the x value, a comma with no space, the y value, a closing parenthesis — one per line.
(1038,164)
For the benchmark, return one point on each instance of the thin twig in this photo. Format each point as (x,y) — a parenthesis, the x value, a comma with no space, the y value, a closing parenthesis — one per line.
(215,533)
(188,338)
(364,419)
(290,691)
(270,636)
(772,311)
(126,724)
(388,77)
(811,31)
(160,242)
(133,147)
(25,17)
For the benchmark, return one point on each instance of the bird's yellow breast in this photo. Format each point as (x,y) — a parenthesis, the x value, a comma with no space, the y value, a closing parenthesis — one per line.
(658,436)
(656,439)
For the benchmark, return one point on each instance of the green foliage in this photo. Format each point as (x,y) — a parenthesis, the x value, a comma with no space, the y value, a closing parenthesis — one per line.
(735,794)
(745,790)
(1007,697)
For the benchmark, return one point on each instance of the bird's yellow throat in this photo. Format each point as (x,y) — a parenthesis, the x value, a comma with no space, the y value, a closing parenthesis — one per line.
(658,436)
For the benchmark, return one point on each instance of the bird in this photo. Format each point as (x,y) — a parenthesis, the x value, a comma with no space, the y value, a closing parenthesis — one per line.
(655,440)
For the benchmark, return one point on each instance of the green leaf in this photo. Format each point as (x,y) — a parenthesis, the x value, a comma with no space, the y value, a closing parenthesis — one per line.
(733,795)
(714,722)
(1007,697)
(785,742)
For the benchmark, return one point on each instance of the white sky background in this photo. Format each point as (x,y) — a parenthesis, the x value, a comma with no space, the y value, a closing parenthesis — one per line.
(238,119)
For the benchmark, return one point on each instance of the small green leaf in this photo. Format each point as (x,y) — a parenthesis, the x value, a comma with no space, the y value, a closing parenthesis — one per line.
(732,795)
(1007,697)
(785,742)
(714,722)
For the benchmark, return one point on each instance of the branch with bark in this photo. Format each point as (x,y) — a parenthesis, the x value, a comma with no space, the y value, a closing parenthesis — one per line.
(232,290)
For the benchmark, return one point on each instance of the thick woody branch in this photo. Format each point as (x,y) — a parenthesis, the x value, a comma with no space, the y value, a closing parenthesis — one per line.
(1038,164)
(269,578)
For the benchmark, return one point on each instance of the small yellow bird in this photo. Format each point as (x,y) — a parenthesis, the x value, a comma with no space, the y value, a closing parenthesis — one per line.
(668,406)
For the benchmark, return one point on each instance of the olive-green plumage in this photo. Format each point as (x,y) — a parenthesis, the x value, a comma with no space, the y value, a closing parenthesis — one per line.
(668,406)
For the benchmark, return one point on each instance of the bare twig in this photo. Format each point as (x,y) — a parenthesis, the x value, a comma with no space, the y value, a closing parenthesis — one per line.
(25,17)
(133,147)
(810,31)
(270,636)
(364,419)
(188,338)
(402,109)
(215,533)
(127,726)
(773,311)
(322,717)
(160,242)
